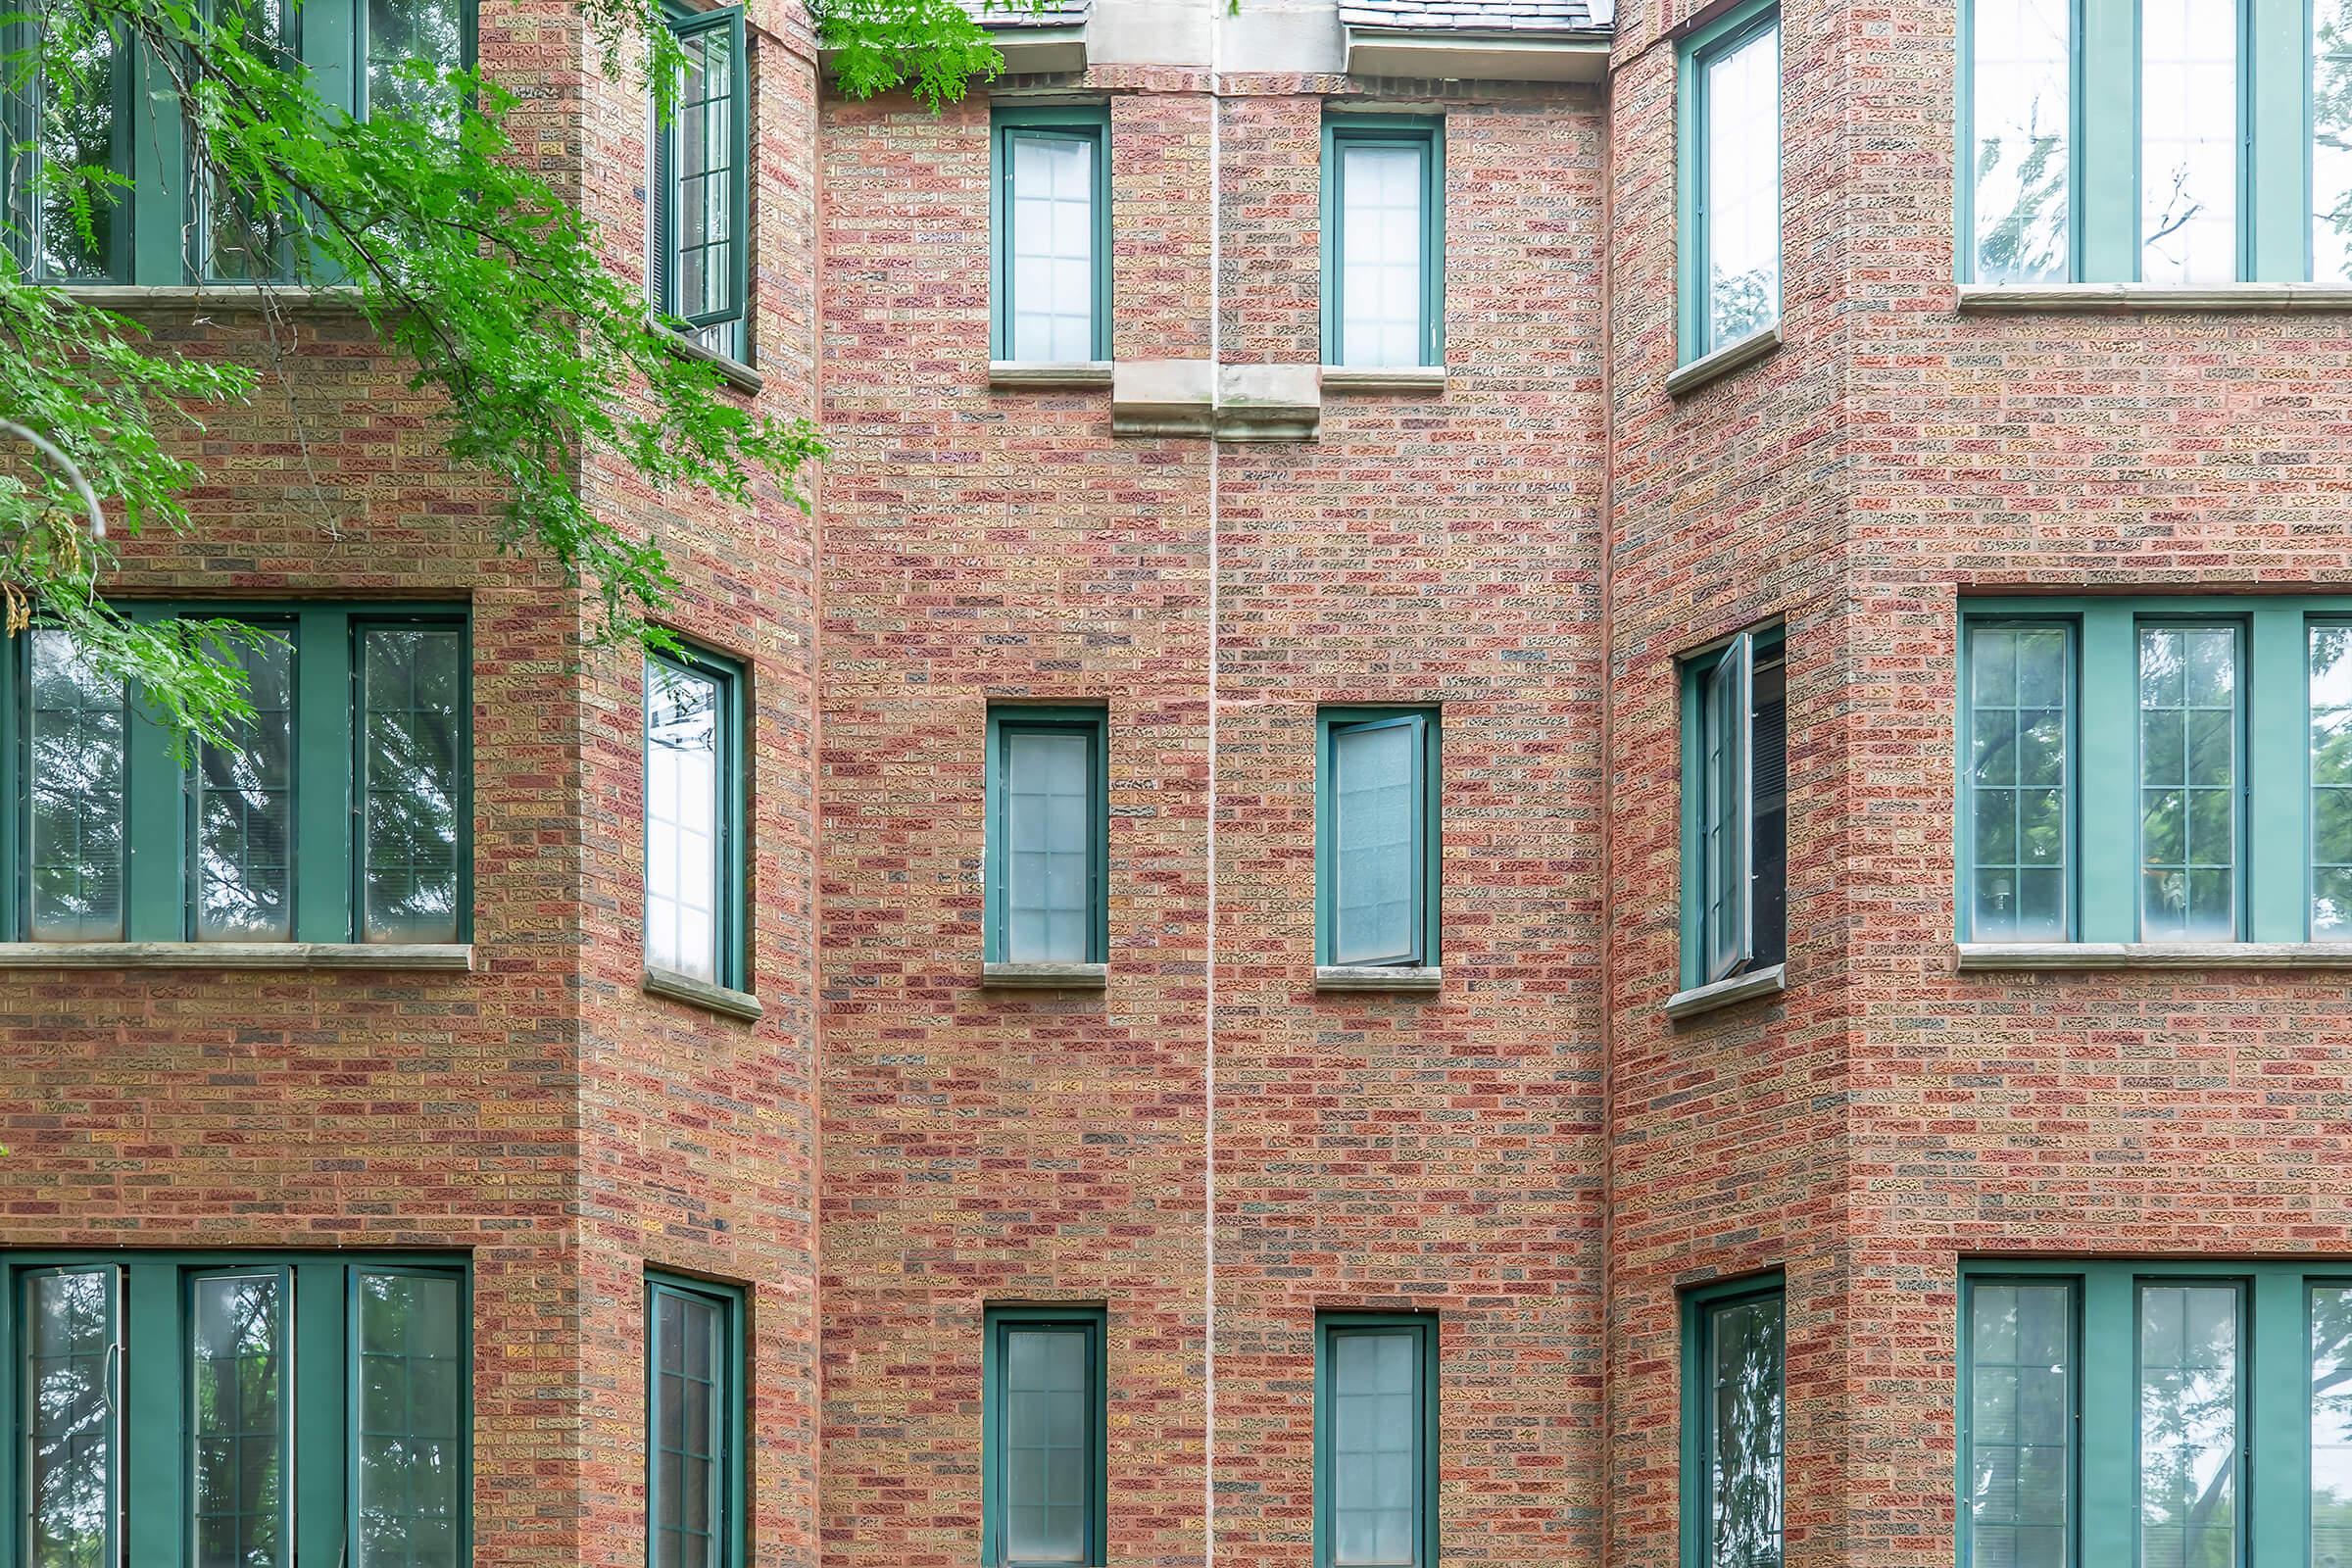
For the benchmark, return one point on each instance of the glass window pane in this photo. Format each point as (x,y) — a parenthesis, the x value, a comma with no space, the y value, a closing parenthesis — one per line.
(1050,828)
(238,1429)
(1740,90)
(1743,1362)
(72,1424)
(411,739)
(2020,1423)
(2188,141)
(1375,796)
(2331,1426)
(1381,228)
(411,1424)
(1724,720)
(1051,314)
(2019,683)
(2022,89)
(2188,771)
(81,66)
(2189,1415)
(73,735)
(1376,1408)
(2332,144)
(411,46)
(241,240)
(705,141)
(243,802)
(2331,783)
(1048,1442)
(684,801)
(691,1396)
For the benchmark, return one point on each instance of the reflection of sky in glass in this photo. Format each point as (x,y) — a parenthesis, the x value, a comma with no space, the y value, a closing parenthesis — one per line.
(2017,783)
(2188,141)
(2021,87)
(71,1428)
(74,734)
(2332,784)
(409,1421)
(1741,88)
(1380,268)
(2188,1425)
(2331,149)
(681,821)
(412,680)
(1052,247)
(1744,1348)
(2188,783)
(2020,1424)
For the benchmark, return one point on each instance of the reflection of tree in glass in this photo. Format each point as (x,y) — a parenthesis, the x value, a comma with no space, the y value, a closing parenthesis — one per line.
(244,802)
(413,680)
(240,1456)
(73,224)
(1745,1345)
(411,1390)
(2188,1425)
(411,47)
(2331,1426)
(2331,781)
(2022,240)
(2331,142)
(71,1325)
(75,729)
(1745,302)
(245,238)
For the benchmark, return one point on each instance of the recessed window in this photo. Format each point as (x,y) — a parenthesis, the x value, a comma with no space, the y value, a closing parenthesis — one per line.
(1377,837)
(693,818)
(702,231)
(1734,1339)
(1383,222)
(1731,179)
(1044,1445)
(1053,234)
(1376,1441)
(1048,822)
(694,1424)
(1736,807)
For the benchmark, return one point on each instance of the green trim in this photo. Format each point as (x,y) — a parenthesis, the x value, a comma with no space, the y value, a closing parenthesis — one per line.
(733,769)
(1699,1306)
(354,1346)
(1422,1326)
(1426,132)
(729,1413)
(1049,121)
(1004,722)
(734,311)
(996,1323)
(1429,822)
(16,1399)
(1692,672)
(1695,337)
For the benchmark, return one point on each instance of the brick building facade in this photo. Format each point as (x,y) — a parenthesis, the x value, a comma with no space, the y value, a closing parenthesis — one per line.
(1555,1138)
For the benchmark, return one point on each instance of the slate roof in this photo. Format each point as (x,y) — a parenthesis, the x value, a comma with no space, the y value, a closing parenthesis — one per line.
(1030,13)
(1480,16)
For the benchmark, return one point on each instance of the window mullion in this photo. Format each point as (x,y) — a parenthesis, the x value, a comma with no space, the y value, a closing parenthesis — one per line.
(2275,796)
(2109,1416)
(2278,148)
(155,1406)
(2105,761)
(319,1424)
(322,777)
(154,823)
(2109,126)
(2275,1457)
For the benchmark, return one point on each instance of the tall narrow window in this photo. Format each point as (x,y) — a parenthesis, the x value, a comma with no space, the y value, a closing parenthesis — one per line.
(692,1443)
(412,781)
(74,734)
(242,800)
(239,1415)
(409,1424)
(1384,215)
(1736,792)
(691,882)
(1731,285)
(2188,141)
(2331,783)
(701,158)
(1377,831)
(2020,679)
(1048,821)
(2189,1404)
(2188,782)
(2330,1513)
(1375,1443)
(2021,1423)
(1042,1493)
(1052,223)
(1733,1427)
(2332,143)
(411,47)
(72,1338)
(241,237)
(64,126)
(2020,84)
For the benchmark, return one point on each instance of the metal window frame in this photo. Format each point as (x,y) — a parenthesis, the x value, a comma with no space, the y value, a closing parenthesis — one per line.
(1427,133)
(1697,1308)
(729,1414)
(1428,1437)
(1743,25)
(1427,925)
(1006,720)
(732,767)
(997,1323)
(1051,122)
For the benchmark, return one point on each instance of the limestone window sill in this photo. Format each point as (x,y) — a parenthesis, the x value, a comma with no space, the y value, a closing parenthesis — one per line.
(1012,373)
(1378,977)
(1769,981)
(737,374)
(458,955)
(1985,956)
(1724,360)
(1046,976)
(703,994)
(1384,378)
(215,296)
(1997,298)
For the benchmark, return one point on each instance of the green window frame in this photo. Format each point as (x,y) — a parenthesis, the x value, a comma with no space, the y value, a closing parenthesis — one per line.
(1422,860)
(670,1296)
(701,264)
(1052,127)
(2264,1449)
(134,1397)
(1757,1305)
(1000,1488)
(339,877)
(2286,823)
(151,238)
(2053,192)
(1418,1332)
(1011,728)
(1423,135)
(1706,322)
(1734,775)
(729,945)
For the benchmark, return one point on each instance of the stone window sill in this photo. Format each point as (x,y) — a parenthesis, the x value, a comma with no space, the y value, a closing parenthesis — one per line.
(1046,976)
(1378,977)
(1048,373)
(703,994)
(737,374)
(456,956)
(1986,956)
(215,296)
(1769,981)
(1724,360)
(1384,378)
(1997,298)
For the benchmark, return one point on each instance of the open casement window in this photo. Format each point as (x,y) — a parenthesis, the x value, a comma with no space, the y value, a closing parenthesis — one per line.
(693,818)
(702,228)
(694,1425)
(1383,224)
(1376,830)
(1376,1441)
(1734,1352)
(1050,211)
(1729,130)
(1735,782)
(1044,1486)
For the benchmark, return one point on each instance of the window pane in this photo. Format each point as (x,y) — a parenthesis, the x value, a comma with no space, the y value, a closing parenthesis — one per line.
(2331,1424)
(75,731)
(1723,824)
(1376,841)
(238,1432)
(1376,1402)
(70,1423)
(2188,1397)
(241,240)
(243,802)
(412,684)
(2188,770)
(1740,91)
(1052,278)
(76,131)
(1048,848)
(690,1402)
(705,142)
(410,1425)
(682,808)
(2331,783)
(2332,141)
(1048,1442)
(1743,1430)
(1381,227)
(2020,84)
(2188,141)
(2017,802)
(403,36)
(2020,1424)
